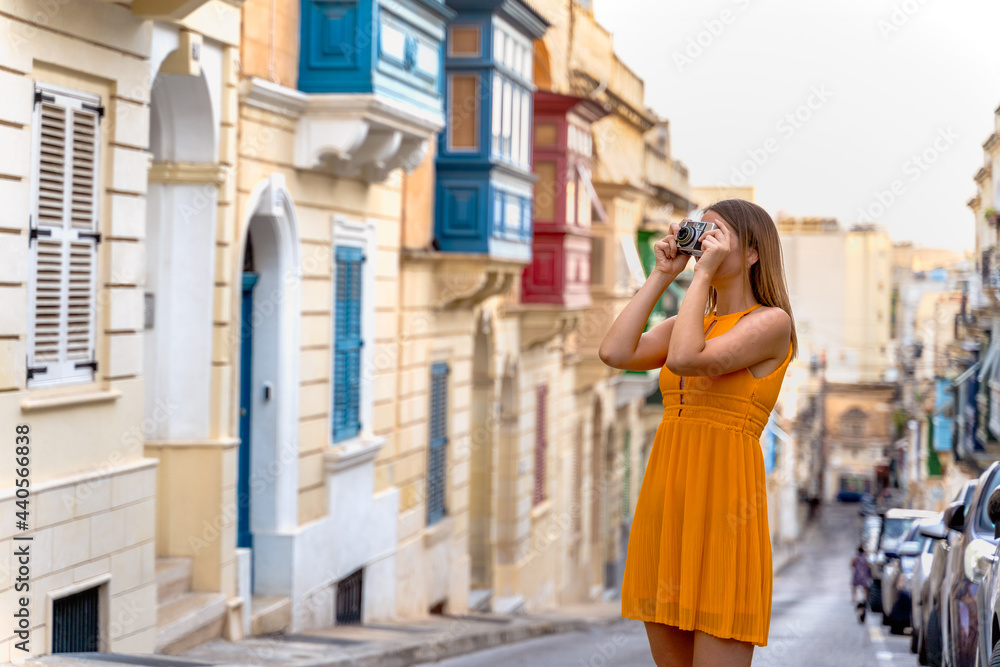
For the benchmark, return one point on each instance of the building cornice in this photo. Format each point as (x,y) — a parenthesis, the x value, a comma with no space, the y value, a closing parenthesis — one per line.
(991,141)
(983,173)
(587,86)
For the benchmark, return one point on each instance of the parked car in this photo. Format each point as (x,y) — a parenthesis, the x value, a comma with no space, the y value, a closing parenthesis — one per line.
(849,496)
(868,536)
(989,642)
(921,574)
(892,532)
(963,611)
(929,650)
(897,575)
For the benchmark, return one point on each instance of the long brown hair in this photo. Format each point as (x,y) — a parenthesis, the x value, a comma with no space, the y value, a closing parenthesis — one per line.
(766,276)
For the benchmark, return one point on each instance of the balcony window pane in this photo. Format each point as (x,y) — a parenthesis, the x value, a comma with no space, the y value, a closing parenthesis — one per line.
(525,128)
(508,93)
(571,185)
(583,203)
(516,124)
(464,41)
(546,134)
(545,190)
(463,111)
(497,112)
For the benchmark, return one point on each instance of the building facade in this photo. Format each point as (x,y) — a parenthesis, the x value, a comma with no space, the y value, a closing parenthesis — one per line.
(103,187)
(307,298)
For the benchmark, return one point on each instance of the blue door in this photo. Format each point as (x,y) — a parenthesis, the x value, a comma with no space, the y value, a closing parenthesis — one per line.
(244,538)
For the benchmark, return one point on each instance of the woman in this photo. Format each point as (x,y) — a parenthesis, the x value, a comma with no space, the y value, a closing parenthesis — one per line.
(861,581)
(698,567)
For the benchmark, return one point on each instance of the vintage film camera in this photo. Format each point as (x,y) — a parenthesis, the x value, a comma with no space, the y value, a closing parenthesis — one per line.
(689,236)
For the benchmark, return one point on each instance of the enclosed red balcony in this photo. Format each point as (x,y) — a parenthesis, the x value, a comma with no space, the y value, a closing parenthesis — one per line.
(565,200)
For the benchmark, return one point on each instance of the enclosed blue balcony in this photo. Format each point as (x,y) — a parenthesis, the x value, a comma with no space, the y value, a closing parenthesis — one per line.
(484,179)
(371,72)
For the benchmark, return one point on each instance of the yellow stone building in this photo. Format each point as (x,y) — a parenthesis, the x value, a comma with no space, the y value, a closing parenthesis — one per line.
(261,394)
(122,406)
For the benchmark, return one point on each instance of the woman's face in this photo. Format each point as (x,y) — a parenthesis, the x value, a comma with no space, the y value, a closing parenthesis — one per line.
(733,264)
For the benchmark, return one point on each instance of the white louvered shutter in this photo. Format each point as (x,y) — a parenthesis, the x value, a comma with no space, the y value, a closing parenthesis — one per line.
(63,239)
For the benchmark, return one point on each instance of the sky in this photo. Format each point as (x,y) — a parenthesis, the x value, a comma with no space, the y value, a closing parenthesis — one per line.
(863,110)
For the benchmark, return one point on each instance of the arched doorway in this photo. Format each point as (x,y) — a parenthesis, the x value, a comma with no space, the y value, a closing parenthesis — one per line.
(180,257)
(481,482)
(267,469)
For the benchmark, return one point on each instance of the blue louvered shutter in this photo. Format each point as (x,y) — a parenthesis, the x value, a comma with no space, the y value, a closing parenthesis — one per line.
(438,452)
(347,344)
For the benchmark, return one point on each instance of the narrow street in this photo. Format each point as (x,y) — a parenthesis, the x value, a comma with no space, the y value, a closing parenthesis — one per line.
(812,620)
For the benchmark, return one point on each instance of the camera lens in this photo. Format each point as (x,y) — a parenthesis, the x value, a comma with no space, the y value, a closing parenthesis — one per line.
(685,234)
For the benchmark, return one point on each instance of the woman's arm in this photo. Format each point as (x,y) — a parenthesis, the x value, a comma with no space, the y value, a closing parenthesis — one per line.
(758,337)
(625,346)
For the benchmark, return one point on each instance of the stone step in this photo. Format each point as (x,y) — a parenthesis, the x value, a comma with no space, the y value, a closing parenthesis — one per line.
(270,614)
(513,604)
(189,620)
(479,599)
(173,578)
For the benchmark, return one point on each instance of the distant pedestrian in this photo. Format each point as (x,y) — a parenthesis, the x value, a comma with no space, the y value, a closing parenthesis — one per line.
(698,568)
(861,581)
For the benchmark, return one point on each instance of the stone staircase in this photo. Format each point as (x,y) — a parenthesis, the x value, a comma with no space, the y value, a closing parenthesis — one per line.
(270,614)
(184,618)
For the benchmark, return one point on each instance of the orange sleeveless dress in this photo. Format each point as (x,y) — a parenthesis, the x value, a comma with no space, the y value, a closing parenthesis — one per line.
(699,550)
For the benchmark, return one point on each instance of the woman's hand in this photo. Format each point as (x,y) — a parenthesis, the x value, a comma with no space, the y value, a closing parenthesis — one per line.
(714,250)
(668,260)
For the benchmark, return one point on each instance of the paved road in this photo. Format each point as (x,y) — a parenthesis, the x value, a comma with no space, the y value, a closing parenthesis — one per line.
(812,623)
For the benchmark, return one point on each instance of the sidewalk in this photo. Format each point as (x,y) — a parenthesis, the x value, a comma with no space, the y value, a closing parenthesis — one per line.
(396,644)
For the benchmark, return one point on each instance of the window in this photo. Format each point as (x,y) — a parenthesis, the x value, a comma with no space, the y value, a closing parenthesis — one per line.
(437,463)
(571,182)
(497,112)
(63,239)
(511,122)
(853,423)
(354,259)
(464,41)
(506,118)
(348,344)
(546,134)
(463,111)
(525,126)
(545,190)
(541,442)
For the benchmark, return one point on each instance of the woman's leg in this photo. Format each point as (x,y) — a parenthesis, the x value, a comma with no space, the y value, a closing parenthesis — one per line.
(710,651)
(670,646)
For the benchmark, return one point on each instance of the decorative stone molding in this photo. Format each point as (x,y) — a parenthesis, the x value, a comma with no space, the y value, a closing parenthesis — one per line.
(166,10)
(349,135)
(467,279)
(541,324)
(340,458)
(188,173)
